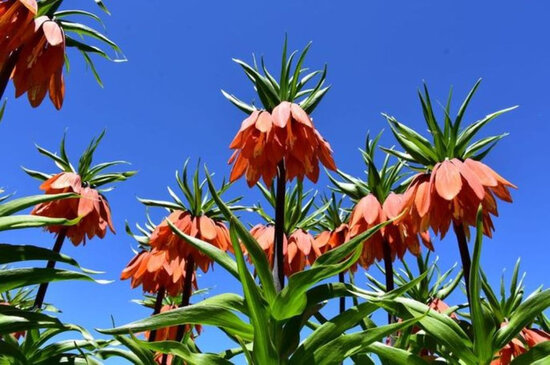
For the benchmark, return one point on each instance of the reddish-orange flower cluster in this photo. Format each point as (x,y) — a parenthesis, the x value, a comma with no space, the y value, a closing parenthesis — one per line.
(91,207)
(39,68)
(452,193)
(516,347)
(170,334)
(15,17)
(400,235)
(287,134)
(329,240)
(203,228)
(300,249)
(157,269)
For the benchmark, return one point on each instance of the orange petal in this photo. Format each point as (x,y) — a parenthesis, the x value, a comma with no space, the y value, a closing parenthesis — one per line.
(448,180)
(470,177)
(264,122)
(281,114)
(300,115)
(207,227)
(53,33)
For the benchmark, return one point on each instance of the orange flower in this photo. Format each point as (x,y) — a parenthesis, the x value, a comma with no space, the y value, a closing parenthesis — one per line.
(329,240)
(529,337)
(157,269)
(202,227)
(39,68)
(453,192)
(15,17)
(399,235)
(287,134)
(170,334)
(91,206)
(300,249)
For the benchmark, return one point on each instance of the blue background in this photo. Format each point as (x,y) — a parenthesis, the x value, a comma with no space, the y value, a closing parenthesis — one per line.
(164,105)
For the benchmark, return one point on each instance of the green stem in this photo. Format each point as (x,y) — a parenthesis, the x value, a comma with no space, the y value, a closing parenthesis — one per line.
(43,288)
(278,266)
(388,268)
(156,310)
(187,290)
(464,254)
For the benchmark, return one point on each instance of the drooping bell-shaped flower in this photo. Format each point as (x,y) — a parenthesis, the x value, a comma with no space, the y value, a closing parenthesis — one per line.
(90,206)
(455,181)
(15,18)
(282,134)
(39,69)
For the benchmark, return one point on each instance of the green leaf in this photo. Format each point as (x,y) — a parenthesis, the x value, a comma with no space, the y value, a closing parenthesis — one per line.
(219,256)
(262,350)
(254,250)
(481,330)
(292,300)
(537,355)
(17,278)
(215,311)
(16,205)
(14,320)
(525,313)
(348,345)
(181,350)
(16,253)
(395,356)
(3,109)
(28,221)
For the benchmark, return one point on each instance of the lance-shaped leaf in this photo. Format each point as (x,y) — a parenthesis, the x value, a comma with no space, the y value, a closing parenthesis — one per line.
(14,320)
(30,221)
(254,250)
(16,205)
(537,355)
(182,351)
(17,278)
(395,356)
(292,300)
(215,311)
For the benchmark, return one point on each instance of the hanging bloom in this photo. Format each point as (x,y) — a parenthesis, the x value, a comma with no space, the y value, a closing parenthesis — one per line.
(157,269)
(201,227)
(282,132)
(399,235)
(452,193)
(15,18)
(455,181)
(171,334)
(329,240)
(91,207)
(287,134)
(526,340)
(39,68)
(300,249)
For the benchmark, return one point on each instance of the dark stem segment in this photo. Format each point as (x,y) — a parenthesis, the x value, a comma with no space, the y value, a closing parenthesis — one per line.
(278,267)
(388,268)
(464,254)
(187,290)
(6,71)
(156,310)
(343,298)
(41,294)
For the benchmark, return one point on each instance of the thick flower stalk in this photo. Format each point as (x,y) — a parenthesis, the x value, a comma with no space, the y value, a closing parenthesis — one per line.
(90,206)
(453,182)
(280,140)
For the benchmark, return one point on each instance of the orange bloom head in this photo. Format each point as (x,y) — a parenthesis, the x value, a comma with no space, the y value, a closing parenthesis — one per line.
(39,69)
(379,199)
(300,248)
(527,338)
(455,181)
(15,18)
(281,134)
(452,192)
(90,206)
(198,217)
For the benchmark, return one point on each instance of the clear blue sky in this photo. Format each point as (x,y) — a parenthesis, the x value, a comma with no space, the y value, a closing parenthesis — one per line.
(165,105)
